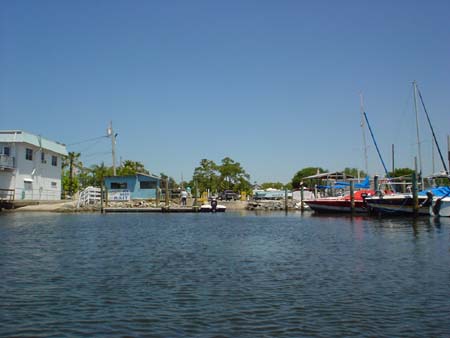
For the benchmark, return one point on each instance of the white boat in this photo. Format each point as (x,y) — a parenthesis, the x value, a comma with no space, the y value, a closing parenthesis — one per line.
(209,208)
(440,206)
(441,202)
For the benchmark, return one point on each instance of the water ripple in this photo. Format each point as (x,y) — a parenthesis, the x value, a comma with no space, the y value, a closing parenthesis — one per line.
(222,276)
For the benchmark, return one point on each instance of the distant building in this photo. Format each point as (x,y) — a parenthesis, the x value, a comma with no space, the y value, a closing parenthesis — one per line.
(132,187)
(30,166)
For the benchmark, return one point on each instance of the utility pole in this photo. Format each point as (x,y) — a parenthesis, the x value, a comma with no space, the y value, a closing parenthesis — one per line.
(113,146)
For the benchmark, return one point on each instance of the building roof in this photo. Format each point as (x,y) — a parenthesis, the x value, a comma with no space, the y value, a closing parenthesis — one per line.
(19,136)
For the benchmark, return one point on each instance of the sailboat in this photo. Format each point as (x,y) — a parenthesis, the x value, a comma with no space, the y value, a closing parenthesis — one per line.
(403,203)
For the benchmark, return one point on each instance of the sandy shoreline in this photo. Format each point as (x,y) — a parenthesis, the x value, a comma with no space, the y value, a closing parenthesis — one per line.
(71,206)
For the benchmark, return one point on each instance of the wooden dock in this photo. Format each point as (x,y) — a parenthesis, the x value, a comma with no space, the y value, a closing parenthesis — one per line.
(161,210)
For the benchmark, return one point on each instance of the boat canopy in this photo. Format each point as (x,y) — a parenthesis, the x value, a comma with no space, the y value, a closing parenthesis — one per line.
(332,176)
(363,185)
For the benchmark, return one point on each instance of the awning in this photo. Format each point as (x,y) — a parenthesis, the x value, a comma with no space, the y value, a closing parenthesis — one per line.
(332,176)
(28,180)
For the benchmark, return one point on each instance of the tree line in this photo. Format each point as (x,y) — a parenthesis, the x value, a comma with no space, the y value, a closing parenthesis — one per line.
(75,176)
(207,176)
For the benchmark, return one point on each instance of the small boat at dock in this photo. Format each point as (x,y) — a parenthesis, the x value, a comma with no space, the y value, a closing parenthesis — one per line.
(212,207)
(397,203)
(341,204)
(440,205)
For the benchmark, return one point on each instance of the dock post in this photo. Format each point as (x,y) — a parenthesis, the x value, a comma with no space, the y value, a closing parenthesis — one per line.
(302,203)
(158,197)
(352,197)
(285,200)
(196,194)
(414,189)
(375,183)
(101,199)
(106,197)
(167,192)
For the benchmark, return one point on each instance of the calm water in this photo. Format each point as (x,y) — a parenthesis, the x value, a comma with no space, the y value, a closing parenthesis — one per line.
(228,274)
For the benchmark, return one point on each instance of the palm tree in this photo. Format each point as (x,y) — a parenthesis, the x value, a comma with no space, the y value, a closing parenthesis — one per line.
(99,172)
(72,160)
(132,167)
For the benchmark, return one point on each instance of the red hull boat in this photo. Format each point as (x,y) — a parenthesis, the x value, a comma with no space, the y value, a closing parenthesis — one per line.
(341,204)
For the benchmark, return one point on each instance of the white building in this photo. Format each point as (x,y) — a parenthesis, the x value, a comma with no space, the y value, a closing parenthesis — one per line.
(30,166)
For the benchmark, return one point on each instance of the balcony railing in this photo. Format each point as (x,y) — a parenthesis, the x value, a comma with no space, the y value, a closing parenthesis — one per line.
(7,161)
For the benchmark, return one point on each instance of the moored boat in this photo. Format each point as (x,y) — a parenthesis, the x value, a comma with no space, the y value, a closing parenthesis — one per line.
(397,204)
(210,208)
(430,202)
(341,204)
(441,204)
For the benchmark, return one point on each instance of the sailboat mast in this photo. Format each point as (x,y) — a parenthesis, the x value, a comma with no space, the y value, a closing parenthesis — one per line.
(366,165)
(432,131)
(417,131)
(376,145)
(433,169)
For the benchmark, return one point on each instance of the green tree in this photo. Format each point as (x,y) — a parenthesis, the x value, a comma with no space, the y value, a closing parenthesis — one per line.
(85,177)
(354,172)
(206,176)
(273,185)
(172,183)
(131,168)
(399,172)
(70,164)
(99,172)
(305,172)
(233,176)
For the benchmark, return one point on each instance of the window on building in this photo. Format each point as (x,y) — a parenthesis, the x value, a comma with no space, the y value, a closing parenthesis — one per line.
(43,157)
(54,185)
(29,154)
(6,151)
(119,185)
(54,161)
(147,185)
(28,185)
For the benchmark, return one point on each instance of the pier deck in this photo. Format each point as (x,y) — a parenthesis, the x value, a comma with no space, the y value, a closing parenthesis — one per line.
(163,209)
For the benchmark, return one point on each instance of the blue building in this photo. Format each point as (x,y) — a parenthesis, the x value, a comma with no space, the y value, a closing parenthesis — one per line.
(139,186)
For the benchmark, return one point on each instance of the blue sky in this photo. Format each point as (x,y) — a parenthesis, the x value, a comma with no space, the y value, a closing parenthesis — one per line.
(272,84)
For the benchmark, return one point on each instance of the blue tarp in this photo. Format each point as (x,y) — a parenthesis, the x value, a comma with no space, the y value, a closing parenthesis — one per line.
(438,191)
(363,185)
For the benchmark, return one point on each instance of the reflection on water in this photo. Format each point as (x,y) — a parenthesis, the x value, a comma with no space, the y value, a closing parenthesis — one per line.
(231,274)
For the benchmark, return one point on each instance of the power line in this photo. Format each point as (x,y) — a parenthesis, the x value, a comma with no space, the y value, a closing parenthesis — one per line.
(88,140)
(90,146)
(95,154)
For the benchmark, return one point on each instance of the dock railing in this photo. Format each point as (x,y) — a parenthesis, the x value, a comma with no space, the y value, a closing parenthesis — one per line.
(89,196)
(7,195)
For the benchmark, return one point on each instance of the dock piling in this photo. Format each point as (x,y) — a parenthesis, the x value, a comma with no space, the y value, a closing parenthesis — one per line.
(414,189)
(352,197)
(167,192)
(101,199)
(302,195)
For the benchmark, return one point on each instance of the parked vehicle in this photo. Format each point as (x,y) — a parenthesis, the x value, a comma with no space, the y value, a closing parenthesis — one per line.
(228,195)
